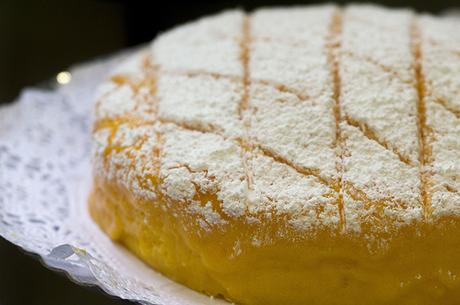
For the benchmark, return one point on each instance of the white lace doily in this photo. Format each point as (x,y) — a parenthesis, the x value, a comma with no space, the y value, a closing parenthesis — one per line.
(45,176)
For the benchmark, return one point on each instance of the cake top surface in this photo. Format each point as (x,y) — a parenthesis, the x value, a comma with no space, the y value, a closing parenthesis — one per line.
(342,118)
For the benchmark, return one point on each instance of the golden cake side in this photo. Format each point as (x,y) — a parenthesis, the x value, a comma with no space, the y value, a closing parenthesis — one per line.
(417,266)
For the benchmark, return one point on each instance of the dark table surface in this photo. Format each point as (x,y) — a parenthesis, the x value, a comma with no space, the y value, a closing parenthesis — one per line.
(40,38)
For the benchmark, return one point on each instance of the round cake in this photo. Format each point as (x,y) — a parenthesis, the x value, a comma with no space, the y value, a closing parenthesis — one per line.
(301,155)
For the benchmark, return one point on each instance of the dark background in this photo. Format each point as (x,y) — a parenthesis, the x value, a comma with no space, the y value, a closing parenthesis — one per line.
(40,38)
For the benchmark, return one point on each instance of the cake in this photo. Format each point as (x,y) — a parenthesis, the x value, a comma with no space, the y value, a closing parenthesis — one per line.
(300,155)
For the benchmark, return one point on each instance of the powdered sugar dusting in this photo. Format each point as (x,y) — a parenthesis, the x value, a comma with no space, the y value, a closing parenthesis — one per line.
(440,41)
(220,159)
(280,188)
(213,106)
(291,51)
(244,115)
(375,171)
(211,44)
(276,114)
(378,77)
